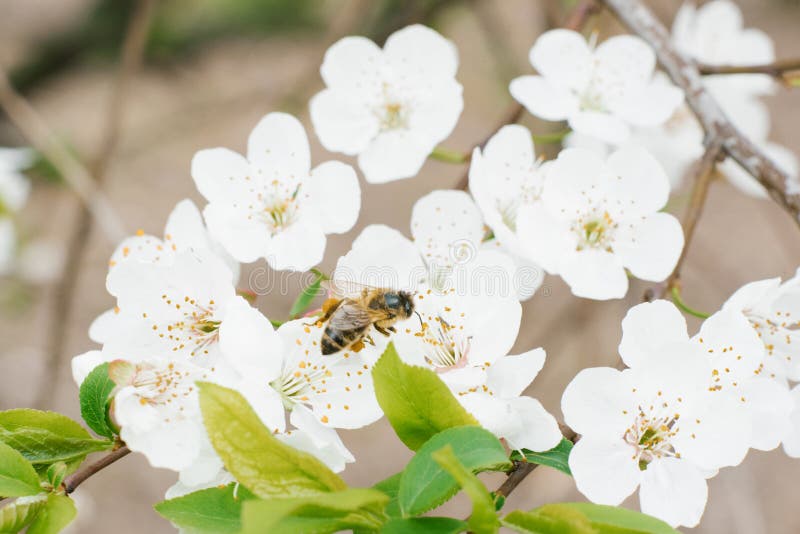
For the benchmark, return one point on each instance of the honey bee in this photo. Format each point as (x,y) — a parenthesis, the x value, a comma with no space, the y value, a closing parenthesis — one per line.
(349,318)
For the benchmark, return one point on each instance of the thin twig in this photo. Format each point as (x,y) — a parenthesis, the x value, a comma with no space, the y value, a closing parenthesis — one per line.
(132,52)
(703,174)
(78,477)
(777,69)
(686,75)
(579,16)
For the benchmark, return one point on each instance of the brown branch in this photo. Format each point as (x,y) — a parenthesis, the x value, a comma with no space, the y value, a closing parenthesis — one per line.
(132,52)
(685,74)
(579,16)
(777,69)
(78,477)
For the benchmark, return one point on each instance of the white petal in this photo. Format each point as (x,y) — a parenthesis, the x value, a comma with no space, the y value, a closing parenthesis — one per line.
(421,53)
(509,376)
(649,327)
(791,437)
(675,491)
(265,401)
(244,238)
(492,322)
(770,406)
(343,122)
(751,295)
(595,274)
(444,222)
(606,472)
(731,344)
(104,327)
(220,174)
(249,342)
(352,64)
(594,401)
(641,185)
(649,248)
(393,155)
(334,196)
(651,106)
(544,238)
(298,247)
(624,64)
(604,126)
(564,58)
(435,117)
(315,438)
(538,429)
(572,180)
(278,148)
(542,99)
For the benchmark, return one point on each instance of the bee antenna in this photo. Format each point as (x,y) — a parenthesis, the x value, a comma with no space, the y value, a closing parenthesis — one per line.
(421,324)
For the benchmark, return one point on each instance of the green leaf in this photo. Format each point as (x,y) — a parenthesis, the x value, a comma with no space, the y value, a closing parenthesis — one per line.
(47,437)
(484,518)
(391,486)
(416,402)
(18,478)
(557,457)
(95,393)
(57,514)
(55,474)
(213,510)
(425,525)
(549,519)
(19,513)
(425,485)
(321,514)
(612,519)
(256,458)
(309,294)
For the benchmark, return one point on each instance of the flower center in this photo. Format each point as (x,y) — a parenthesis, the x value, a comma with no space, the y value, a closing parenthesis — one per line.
(393,116)
(168,387)
(651,439)
(197,329)
(296,384)
(447,348)
(279,212)
(595,232)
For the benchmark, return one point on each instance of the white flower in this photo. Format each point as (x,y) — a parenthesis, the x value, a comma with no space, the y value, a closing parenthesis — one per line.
(733,354)
(14,186)
(714,34)
(272,204)
(791,438)
(8,245)
(287,370)
(601,92)
(390,107)
(186,310)
(158,411)
(773,310)
(598,218)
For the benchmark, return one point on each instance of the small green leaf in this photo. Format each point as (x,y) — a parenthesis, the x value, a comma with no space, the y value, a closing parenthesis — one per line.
(19,513)
(616,520)
(18,478)
(425,485)
(484,518)
(256,458)
(391,486)
(95,393)
(321,514)
(557,457)
(549,519)
(208,511)
(55,474)
(425,525)
(47,437)
(416,402)
(309,293)
(56,515)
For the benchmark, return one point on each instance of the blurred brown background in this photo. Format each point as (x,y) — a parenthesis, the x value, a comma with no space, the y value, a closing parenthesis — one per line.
(213,68)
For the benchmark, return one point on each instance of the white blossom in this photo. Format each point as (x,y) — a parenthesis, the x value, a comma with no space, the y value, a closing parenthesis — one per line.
(598,218)
(272,204)
(389,106)
(14,190)
(601,91)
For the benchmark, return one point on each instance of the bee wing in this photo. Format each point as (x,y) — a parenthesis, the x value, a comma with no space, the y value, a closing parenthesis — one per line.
(343,289)
(350,316)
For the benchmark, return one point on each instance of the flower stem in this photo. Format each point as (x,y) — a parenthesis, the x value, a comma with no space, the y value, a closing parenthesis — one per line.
(449,156)
(555,137)
(676,298)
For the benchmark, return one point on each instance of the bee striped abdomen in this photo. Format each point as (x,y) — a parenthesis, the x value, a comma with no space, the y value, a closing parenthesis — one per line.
(335,340)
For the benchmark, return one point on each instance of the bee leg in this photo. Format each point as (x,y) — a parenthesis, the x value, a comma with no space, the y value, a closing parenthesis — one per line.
(357,346)
(383,331)
(369,340)
(392,329)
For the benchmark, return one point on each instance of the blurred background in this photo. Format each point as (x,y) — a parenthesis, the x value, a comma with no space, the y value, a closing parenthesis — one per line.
(211,70)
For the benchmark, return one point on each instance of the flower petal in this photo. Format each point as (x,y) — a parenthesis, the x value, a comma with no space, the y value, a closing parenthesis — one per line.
(605,126)
(605,471)
(537,430)
(650,248)
(564,58)
(594,402)
(249,342)
(675,491)
(641,185)
(443,223)
(543,99)
(544,238)
(298,247)
(421,53)
(220,174)
(510,375)
(393,155)
(278,148)
(334,196)
(352,65)
(594,274)
(649,327)
(343,122)
(243,237)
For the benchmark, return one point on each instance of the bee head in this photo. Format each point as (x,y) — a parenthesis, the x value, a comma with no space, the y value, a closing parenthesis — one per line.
(402,302)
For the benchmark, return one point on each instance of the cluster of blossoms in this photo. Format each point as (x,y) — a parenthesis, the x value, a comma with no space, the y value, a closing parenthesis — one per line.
(684,407)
